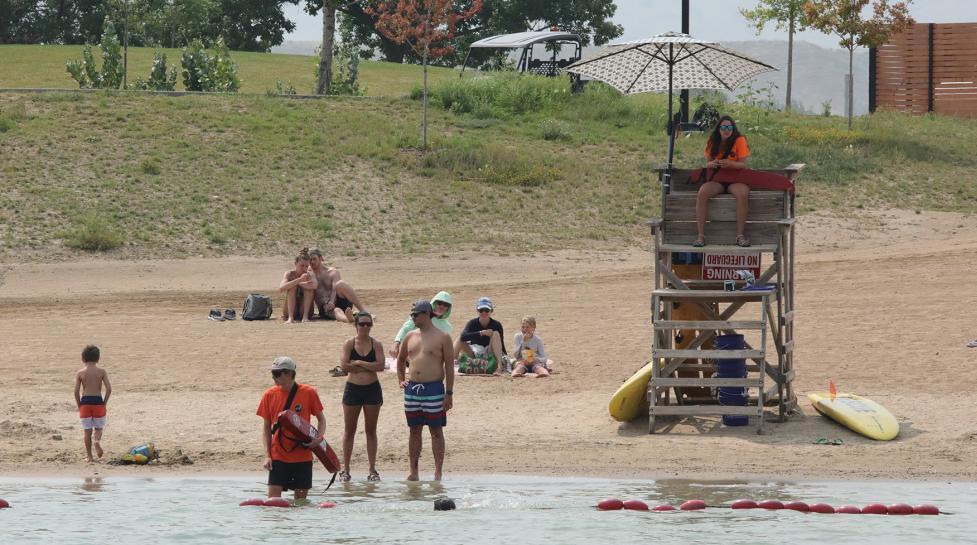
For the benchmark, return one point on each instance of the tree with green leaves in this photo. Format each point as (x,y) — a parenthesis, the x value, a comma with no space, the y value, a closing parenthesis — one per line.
(786,15)
(110,75)
(843,18)
(589,18)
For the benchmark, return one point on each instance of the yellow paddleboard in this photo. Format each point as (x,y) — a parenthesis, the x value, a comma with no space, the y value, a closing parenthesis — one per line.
(859,414)
(632,396)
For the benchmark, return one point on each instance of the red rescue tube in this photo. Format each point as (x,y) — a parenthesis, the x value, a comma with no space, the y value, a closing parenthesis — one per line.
(822,508)
(635,505)
(610,504)
(252,501)
(770,504)
(4,504)
(874,509)
(661,508)
(849,510)
(900,509)
(276,502)
(744,504)
(797,506)
(693,505)
(926,510)
(326,505)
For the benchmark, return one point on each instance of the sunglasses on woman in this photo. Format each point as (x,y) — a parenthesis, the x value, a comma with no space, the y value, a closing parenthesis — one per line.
(365,324)
(725,127)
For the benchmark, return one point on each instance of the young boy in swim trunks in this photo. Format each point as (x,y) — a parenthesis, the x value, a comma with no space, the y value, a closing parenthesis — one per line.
(88,396)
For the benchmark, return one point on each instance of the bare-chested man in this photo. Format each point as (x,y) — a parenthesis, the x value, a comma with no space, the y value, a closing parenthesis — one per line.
(333,292)
(88,397)
(428,392)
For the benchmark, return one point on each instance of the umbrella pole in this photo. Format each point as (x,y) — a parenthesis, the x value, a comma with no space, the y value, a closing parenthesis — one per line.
(667,178)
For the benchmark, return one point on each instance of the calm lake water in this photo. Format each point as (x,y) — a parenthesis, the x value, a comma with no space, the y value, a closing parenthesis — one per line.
(491,509)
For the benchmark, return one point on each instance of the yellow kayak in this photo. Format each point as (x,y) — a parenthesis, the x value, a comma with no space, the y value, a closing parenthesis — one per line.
(859,414)
(632,396)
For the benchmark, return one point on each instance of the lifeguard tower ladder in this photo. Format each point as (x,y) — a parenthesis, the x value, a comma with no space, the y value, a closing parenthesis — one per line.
(682,347)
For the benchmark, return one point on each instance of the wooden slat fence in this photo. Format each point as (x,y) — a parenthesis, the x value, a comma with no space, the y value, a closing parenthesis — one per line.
(928,68)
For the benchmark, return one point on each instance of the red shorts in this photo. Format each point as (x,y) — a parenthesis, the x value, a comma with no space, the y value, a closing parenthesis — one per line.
(92,411)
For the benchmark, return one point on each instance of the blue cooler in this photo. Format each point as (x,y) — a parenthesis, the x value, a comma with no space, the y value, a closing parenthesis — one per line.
(732,368)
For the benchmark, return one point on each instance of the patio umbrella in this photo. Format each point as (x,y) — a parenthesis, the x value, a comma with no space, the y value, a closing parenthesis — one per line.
(665,62)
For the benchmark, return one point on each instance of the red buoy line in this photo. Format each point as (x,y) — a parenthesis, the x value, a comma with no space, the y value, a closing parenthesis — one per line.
(4,503)
(614,504)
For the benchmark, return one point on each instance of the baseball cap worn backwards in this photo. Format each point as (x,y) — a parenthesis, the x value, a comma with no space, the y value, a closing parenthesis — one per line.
(484,302)
(421,307)
(283,363)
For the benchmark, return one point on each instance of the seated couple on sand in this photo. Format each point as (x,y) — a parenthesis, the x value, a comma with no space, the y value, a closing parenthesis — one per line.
(311,281)
(483,340)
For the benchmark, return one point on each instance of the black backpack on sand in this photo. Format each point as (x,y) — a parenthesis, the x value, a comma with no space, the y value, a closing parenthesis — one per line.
(256,307)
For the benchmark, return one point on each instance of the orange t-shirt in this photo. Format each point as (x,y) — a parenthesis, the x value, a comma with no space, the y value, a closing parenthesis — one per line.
(306,404)
(738,152)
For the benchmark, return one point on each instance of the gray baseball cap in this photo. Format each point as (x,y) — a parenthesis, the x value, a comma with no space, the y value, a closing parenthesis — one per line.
(421,307)
(283,362)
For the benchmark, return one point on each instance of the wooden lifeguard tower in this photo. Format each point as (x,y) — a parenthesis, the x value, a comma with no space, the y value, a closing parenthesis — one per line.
(682,347)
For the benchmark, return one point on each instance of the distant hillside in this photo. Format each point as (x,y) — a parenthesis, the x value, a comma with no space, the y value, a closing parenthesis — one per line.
(819,74)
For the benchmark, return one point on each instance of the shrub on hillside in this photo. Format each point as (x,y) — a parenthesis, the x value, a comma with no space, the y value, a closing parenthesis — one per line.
(160,79)
(92,234)
(504,94)
(203,71)
(87,74)
(554,129)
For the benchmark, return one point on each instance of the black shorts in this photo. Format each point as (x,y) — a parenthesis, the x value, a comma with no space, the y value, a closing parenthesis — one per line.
(342,304)
(290,476)
(356,395)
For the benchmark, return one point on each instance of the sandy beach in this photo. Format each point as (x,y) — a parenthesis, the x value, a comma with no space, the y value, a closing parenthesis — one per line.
(886,305)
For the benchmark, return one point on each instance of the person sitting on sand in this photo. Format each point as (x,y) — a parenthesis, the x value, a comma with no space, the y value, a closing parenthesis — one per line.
(88,397)
(428,395)
(288,462)
(726,148)
(483,335)
(530,353)
(299,285)
(441,303)
(332,292)
(362,358)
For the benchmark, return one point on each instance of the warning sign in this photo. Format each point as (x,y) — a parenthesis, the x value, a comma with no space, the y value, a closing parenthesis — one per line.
(724,266)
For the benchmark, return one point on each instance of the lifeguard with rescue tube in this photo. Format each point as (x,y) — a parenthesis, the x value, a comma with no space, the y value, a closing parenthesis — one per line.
(859,414)
(289,438)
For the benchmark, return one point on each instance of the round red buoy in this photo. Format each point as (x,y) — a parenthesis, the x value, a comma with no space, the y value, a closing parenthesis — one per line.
(276,502)
(610,504)
(693,505)
(822,508)
(797,506)
(663,508)
(926,510)
(326,505)
(744,504)
(635,505)
(4,504)
(900,509)
(252,501)
(849,510)
(770,504)
(874,509)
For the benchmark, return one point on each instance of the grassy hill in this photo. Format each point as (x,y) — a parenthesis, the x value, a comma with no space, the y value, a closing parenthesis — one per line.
(517,164)
(43,66)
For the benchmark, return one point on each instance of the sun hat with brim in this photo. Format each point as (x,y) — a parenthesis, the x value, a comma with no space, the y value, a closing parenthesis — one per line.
(283,363)
(484,302)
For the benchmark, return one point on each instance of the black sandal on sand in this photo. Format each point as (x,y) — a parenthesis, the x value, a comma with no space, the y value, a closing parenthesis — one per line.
(344,476)
(742,241)
(374,476)
(699,242)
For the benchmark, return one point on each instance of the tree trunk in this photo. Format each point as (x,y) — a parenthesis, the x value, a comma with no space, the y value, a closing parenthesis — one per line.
(325,54)
(425,101)
(851,86)
(790,62)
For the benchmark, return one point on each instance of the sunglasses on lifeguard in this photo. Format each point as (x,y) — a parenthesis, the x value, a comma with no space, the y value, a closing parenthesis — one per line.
(725,127)
(277,372)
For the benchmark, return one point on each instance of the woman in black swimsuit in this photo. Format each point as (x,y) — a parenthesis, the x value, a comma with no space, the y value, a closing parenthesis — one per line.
(362,358)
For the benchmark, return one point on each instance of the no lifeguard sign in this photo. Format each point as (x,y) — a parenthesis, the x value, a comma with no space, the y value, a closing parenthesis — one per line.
(724,266)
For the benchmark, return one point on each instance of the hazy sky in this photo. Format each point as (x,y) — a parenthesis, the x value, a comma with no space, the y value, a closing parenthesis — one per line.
(716,20)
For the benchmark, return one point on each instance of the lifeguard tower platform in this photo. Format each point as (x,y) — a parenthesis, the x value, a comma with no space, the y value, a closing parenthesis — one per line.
(699,294)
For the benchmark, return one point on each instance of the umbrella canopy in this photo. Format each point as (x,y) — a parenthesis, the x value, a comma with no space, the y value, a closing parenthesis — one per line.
(666,62)
(669,61)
